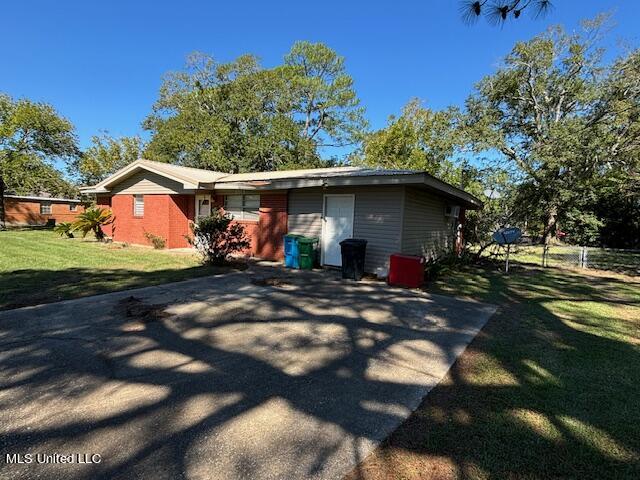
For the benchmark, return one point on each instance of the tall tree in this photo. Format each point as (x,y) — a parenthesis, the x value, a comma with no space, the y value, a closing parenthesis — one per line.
(231,117)
(32,136)
(239,116)
(538,110)
(324,96)
(616,121)
(105,156)
(419,139)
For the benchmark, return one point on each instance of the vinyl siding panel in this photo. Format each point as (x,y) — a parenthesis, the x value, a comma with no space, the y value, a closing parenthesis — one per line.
(147,183)
(305,212)
(377,218)
(426,231)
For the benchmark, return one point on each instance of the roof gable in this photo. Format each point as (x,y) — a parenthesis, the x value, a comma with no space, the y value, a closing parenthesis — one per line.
(189,178)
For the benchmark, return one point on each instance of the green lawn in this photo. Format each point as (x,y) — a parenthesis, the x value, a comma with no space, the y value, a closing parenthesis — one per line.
(37,266)
(620,261)
(549,389)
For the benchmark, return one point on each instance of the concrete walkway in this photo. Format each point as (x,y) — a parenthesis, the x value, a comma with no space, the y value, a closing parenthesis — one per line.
(260,374)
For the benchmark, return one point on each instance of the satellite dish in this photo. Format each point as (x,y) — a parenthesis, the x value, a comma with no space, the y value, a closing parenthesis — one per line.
(491,193)
(507,236)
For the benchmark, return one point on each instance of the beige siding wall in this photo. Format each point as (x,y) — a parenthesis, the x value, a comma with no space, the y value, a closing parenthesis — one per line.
(147,183)
(426,231)
(305,212)
(377,218)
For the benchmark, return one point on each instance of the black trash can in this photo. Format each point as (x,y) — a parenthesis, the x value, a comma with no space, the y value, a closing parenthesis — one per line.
(353,252)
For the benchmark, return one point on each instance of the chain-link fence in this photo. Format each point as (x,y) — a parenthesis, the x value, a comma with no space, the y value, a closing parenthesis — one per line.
(622,261)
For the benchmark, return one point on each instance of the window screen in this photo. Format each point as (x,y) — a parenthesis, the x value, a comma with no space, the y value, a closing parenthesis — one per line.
(251,207)
(243,207)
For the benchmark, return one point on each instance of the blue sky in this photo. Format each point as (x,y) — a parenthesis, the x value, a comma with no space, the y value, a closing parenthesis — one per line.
(100,63)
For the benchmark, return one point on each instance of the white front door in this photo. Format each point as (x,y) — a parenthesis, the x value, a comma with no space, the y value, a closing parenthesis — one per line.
(337,225)
(203,206)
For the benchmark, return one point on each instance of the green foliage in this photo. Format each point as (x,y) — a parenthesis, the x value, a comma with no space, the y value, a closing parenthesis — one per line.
(445,263)
(217,236)
(583,227)
(64,229)
(325,102)
(92,220)
(157,241)
(31,136)
(105,156)
(419,139)
(495,188)
(620,218)
(238,116)
(564,122)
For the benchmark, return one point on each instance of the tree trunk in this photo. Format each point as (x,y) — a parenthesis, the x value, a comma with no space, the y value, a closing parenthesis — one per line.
(550,226)
(2,219)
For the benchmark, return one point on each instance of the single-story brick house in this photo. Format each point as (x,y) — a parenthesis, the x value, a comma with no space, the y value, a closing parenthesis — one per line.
(402,211)
(40,210)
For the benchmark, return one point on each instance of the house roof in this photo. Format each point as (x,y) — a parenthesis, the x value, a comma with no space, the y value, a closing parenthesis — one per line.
(195,178)
(189,177)
(342,177)
(311,173)
(37,198)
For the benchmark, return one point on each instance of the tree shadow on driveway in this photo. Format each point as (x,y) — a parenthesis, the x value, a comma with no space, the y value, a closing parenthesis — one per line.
(549,389)
(235,380)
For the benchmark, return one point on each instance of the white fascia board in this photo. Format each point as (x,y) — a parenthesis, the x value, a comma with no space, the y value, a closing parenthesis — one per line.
(102,187)
(93,190)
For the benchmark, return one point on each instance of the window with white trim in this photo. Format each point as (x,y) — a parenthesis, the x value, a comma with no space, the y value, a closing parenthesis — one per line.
(73,207)
(243,207)
(138,205)
(203,206)
(45,208)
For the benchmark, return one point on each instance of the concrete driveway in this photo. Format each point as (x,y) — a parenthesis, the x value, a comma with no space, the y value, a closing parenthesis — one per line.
(254,374)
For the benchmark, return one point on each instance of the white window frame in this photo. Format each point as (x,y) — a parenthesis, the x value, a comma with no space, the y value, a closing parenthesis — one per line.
(138,200)
(73,207)
(46,208)
(245,213)
(199,197)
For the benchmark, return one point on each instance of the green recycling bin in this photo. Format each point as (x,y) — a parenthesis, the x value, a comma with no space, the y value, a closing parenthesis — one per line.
(308,250)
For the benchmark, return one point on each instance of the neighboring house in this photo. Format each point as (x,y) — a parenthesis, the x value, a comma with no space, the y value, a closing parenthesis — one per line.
(394,210)
(32,210)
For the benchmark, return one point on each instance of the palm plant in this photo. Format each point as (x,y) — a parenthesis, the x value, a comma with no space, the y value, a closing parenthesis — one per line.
(92,220)
(64,229)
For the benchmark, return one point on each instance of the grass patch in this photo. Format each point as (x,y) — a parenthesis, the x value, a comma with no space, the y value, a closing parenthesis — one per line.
(568,256)
(37,266)
(550,388)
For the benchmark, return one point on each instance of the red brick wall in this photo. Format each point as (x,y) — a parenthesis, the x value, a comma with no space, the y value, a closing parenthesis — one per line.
(22,212)
(164,215)
(168,216)
(181,208)
(104,201)
(266,233)
(272,226)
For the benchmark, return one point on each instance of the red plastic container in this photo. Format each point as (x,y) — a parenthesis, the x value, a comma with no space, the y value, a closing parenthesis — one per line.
(406,270)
